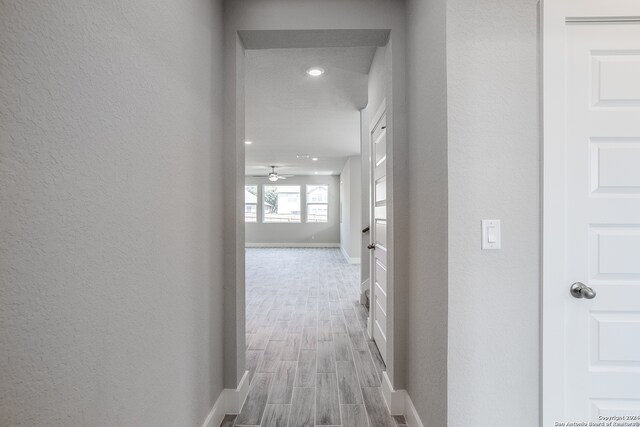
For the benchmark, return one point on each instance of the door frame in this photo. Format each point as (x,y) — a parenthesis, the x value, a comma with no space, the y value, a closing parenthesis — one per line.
(237,41)
(382,109)
(555,16)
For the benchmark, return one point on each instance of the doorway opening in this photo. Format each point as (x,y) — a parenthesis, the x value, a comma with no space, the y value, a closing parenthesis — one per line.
(310,164)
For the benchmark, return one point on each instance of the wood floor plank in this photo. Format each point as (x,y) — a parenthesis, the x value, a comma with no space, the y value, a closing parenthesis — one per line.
(282,386)
(311,319)
(280,330)
(358,340)
(285,314)
(296,324)
(271,357)
(348,384)
(251,413)
(276,416)
(308,296)
(326,357)
(309,338)
(366,370)
(252,358)
(327,401)
(376,408)
(342,347)
(261,338)
(272,317)
(303,407)
(306,374)
(324,330)
(291,347)
(337,325)
(377,358)
(354,416)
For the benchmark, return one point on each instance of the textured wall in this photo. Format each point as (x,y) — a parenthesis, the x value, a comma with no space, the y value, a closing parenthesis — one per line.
(351,188)
(426,351)
(110,286)
(493,173)
(299,233)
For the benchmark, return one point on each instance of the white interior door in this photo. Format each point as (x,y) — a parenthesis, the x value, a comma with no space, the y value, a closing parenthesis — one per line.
(378,246)
(591,347)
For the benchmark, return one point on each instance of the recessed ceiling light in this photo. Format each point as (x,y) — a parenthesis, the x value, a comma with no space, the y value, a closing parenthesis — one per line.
(315,71)
(302,156)
(315,159)
(316,173)
(248,142)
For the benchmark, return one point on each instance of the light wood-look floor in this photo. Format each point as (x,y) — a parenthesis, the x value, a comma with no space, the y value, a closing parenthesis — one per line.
(308,356)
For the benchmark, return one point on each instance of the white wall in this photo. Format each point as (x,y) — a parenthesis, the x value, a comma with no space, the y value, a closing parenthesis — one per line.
(474,154)
(110,257)
(378,86)
(302,233)
(493,173)
(351,197)
(426,351)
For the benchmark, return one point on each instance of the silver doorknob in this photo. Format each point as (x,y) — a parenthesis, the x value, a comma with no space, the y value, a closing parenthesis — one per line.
(580,290)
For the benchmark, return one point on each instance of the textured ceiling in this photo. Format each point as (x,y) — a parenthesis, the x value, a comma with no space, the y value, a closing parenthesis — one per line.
(290,113)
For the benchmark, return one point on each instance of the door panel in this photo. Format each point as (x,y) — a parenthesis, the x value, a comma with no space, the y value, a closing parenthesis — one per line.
(379,235)
(381,274)
(602,223)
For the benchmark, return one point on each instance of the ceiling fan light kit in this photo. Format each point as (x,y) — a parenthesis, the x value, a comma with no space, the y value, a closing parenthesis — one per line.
(273,176)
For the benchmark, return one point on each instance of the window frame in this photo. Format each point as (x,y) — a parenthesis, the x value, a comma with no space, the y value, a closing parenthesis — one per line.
(300,204)
(310,203)
(256,204)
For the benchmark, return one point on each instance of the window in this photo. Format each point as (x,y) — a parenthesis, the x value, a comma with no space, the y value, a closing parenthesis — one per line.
(281,203)
(317,203)
(250,203)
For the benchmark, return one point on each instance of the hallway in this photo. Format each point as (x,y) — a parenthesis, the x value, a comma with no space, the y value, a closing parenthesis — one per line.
(308,356)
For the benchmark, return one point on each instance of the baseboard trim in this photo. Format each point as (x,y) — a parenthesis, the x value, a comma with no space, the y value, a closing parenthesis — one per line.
(230,401)
(394,399)
(235,398)
(292,245)
(214,419)
(350,260)
(399,403)
(410,413)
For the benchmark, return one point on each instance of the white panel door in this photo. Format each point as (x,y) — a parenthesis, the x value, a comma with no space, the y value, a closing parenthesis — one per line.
(592,357)
(378,246)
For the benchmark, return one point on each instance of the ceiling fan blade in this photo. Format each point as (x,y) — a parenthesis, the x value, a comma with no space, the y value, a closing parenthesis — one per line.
(259,176)
(282,177)
(286,176)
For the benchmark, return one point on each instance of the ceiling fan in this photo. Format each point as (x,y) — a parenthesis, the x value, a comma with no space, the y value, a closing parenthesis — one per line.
(273,175)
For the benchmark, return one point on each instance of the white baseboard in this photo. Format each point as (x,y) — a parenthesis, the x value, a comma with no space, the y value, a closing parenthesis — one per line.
(399,403)
(214,419)
(393,398)
(234,399)
(410,413)
(292,245)
(230,401)
(350,260)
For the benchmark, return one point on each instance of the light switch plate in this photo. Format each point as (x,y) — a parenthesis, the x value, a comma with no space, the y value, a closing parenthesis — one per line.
(491,236)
